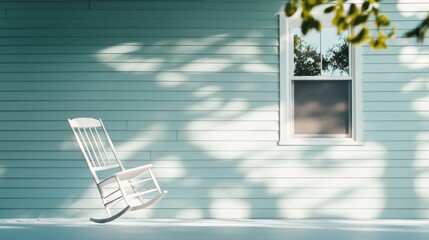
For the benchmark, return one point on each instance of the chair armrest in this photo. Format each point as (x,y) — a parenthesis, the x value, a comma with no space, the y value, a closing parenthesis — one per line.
(125,175)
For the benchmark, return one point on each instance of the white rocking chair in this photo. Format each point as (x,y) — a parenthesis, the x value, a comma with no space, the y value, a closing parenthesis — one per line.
(135,188)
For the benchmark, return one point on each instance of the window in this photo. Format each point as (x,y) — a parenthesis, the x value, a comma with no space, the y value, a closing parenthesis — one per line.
(320,87)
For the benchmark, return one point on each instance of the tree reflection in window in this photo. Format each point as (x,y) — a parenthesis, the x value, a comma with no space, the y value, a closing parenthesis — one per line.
(336,60)
(306,59)
(321,54)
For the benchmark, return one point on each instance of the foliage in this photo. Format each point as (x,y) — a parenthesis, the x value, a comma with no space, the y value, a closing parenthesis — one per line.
(420,31)
(354,18)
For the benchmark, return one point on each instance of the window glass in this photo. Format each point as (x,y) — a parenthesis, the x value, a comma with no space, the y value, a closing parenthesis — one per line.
(335,53)
(322,107)
(320,54)
(307,60)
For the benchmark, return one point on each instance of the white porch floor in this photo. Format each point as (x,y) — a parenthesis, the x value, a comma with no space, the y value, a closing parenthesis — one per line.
(123,229)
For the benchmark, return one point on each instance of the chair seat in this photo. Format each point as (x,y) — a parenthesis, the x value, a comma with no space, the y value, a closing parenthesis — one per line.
(125,174)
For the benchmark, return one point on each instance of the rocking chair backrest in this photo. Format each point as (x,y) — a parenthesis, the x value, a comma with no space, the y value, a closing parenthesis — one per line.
(95,145)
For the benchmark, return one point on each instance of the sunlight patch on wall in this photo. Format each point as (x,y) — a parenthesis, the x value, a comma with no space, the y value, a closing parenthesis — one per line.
(226,120)
(154,133)
(122,49)
(420,87)
(230,193)
(208,91)
(203,67)
(213,104)
(416,85)
(320,186)
(175,163)
(250,50)
(189,214)
(122,58)
(69,145)
(344,183)
(419,105)
(414,58)
(334,206)
(174,79)
(206,104)
(197,41)
(259,68)
(421,181)
(410,10)
(230,208)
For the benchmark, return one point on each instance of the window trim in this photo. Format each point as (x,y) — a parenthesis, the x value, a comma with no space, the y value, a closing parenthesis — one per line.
(286,92)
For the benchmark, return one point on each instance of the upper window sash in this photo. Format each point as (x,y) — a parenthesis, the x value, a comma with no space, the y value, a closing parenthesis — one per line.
(319,54)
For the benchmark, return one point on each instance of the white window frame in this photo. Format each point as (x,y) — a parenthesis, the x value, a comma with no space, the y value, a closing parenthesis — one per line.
(286,92)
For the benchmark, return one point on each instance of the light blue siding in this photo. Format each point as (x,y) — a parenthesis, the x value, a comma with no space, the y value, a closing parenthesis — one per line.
(193,88)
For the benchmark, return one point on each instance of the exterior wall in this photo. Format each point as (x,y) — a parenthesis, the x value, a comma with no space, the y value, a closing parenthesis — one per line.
(192,87)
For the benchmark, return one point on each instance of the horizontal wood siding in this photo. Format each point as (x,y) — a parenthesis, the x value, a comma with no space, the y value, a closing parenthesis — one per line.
(193,88)
(395,95)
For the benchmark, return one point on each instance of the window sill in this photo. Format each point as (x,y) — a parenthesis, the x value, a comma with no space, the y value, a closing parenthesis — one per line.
(321,141)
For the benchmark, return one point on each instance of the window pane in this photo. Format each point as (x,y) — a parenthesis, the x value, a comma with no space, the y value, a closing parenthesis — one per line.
(307,60)
(335,53)
(322,107)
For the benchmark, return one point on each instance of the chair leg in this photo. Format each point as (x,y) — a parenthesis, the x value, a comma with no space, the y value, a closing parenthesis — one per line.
(111,218)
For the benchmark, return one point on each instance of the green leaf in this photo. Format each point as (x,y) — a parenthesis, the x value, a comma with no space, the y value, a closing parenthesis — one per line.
(412,33)
(290,9)
(383,20)
(318,25)
(305,27)
(329,9)
(365,6)
(361,37)
(342,24)
(312,2)
(336,19)
(353,10)
(310,23)
(421,36)
(392,33)
(378,44)
(338,14)
(360,19)
(420,31)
